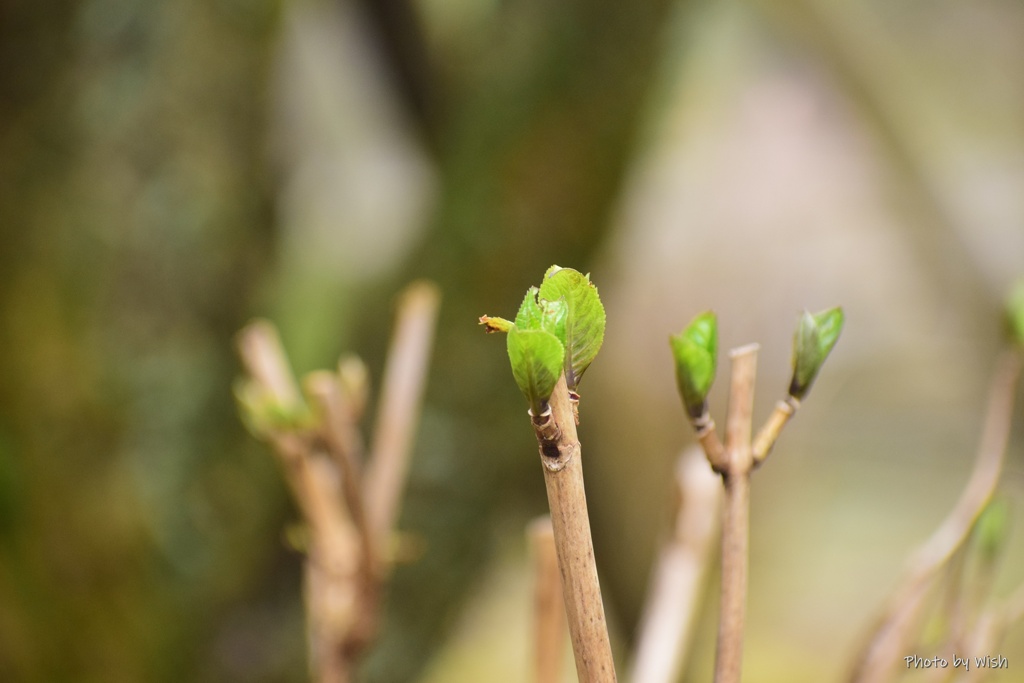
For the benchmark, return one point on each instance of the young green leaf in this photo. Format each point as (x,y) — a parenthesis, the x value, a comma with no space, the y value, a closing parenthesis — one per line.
(1015,313)
(695,351)
(585,320)
(536,313)
(536,358)
(816,335)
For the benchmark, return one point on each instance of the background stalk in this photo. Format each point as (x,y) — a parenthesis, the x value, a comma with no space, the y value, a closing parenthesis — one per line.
(879,656)
(548,605)
(680,574)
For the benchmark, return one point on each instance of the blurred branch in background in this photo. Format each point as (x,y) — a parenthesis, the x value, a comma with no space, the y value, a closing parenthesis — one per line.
(893,635)
(676,591)
(549,627)
(402,392)
(350,519)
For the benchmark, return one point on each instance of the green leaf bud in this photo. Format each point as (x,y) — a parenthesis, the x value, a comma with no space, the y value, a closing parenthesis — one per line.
(536,357)
(695,351)
(584,321)
(815,336)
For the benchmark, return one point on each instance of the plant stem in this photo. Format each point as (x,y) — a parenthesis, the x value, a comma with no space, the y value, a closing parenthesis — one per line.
(769,433)
(562,458)
(399,409)
(736,521)
(679,574)
(340,436)
(548,605)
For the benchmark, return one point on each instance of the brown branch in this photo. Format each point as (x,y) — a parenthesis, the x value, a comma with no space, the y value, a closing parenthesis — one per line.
(548,605)
(680,574)
(340,434)
(398,413)
(769,434)
(707,435)
(736,520)
(562,461)
(335,599)
(888,640)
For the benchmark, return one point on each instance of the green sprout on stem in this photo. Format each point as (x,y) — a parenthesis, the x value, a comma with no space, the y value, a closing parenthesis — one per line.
(559,328)
(1015,313)
(815,336)
(695,350)
(992,529)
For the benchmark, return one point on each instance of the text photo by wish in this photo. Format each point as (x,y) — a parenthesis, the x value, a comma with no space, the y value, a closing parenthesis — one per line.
(958,662)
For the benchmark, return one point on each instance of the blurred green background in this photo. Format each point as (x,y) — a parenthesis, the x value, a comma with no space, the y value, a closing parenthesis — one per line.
(170,169)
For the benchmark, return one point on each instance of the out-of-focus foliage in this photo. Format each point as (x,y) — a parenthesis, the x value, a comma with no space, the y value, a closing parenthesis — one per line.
(134,227)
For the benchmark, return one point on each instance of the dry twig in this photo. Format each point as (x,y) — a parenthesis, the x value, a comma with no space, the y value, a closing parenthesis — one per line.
(679,575)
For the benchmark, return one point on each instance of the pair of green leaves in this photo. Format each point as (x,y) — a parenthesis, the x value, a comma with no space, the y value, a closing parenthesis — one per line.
(559,328)
(695,350)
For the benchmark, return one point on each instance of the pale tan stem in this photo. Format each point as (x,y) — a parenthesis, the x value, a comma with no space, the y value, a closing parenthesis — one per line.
(736,520)
(885,647)
(293,452)
(398,413)
(335,591)
(680,574)
(739,421)
(342,438)
(259,346)
(549,626)
(562,461)
(707,435)
(263,357)
(732,611)
(340,435)
(769,434)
